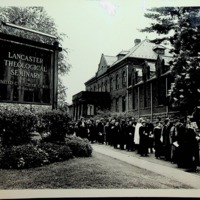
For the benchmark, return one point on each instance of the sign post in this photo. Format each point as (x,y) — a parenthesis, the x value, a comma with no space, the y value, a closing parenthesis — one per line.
(55,75)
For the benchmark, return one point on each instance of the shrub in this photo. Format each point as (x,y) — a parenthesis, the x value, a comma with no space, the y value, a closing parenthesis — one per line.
(80,147)
(56,152)
(16,126)
(54,122)
(29,155)
(22,156)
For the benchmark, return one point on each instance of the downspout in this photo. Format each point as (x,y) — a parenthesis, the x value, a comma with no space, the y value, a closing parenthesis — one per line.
(151,102)
(138,102)
(167,108)
(127,106)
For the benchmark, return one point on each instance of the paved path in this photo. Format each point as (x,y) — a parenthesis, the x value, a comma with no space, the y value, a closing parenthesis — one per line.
(150,163)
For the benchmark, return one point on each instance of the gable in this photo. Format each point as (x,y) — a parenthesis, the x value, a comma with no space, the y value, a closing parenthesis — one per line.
(105,63)
(102,66)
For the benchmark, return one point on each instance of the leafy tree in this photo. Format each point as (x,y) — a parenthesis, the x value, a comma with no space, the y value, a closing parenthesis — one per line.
(181,27)
(36,18)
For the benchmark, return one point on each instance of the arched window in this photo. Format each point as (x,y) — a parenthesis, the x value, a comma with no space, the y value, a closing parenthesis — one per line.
(124,78)
(111,84)
(117,105)
(106,85)
(117,82)
(123,103)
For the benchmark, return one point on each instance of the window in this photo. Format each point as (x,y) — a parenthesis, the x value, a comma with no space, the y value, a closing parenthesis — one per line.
(106,85)
(91,110)
(99,88)
(94,88)
(102,89)
(117,82)
(124,79)
(111,84)
(117,105)
(123,103)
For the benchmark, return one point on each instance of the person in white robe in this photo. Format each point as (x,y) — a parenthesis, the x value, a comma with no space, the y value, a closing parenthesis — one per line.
(136,135)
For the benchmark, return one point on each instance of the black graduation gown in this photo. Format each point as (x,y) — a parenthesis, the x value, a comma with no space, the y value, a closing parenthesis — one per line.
(130,130)
(157,140)
(143,140)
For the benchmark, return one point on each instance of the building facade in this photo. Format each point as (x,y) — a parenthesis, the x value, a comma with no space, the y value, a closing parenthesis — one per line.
(136,81)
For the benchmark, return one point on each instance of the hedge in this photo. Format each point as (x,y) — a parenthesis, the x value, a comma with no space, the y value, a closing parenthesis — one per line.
(80,147)
(16,126)
(34,138)
(30,155)
(22,156)
(56,152)
(54,122)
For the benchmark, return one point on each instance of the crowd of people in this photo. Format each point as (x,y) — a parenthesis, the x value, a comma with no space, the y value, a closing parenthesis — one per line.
(175,140)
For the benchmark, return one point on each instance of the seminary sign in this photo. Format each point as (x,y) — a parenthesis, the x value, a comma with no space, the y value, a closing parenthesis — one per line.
(28,71)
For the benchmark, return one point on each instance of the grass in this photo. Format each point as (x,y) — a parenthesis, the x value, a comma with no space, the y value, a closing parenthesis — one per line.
(96,172)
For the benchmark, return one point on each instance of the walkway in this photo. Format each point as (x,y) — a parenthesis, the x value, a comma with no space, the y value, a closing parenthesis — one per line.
(150,163)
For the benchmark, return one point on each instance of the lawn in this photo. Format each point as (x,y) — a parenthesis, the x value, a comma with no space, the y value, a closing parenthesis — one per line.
(98,171)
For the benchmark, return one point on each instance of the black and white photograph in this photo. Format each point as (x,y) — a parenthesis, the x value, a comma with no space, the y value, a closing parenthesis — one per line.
(99,98)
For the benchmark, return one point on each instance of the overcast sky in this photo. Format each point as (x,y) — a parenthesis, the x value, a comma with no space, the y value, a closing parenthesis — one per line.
(94,27)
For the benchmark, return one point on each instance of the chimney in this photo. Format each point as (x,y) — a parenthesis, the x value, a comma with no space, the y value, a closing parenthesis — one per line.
(137,41)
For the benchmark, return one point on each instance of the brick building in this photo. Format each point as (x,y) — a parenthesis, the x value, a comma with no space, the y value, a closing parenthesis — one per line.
(135,81)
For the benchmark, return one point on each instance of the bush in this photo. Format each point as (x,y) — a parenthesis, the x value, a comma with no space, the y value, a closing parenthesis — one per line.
(54,122)
(56,152)
(80,147)
(22,156)
(16,126)
(29,155)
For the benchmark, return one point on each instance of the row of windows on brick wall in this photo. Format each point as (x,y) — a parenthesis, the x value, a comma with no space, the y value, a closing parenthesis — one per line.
(105,87)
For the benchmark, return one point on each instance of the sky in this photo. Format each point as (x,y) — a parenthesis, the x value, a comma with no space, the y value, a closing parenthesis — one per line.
(94,27)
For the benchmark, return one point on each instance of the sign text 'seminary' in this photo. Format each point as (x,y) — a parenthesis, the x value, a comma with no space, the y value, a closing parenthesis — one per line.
(25,66)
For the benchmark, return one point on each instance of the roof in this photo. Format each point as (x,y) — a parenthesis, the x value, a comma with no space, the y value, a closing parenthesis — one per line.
(144,50)
(90,79)
(123,52)
(110,59)
(158,46)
